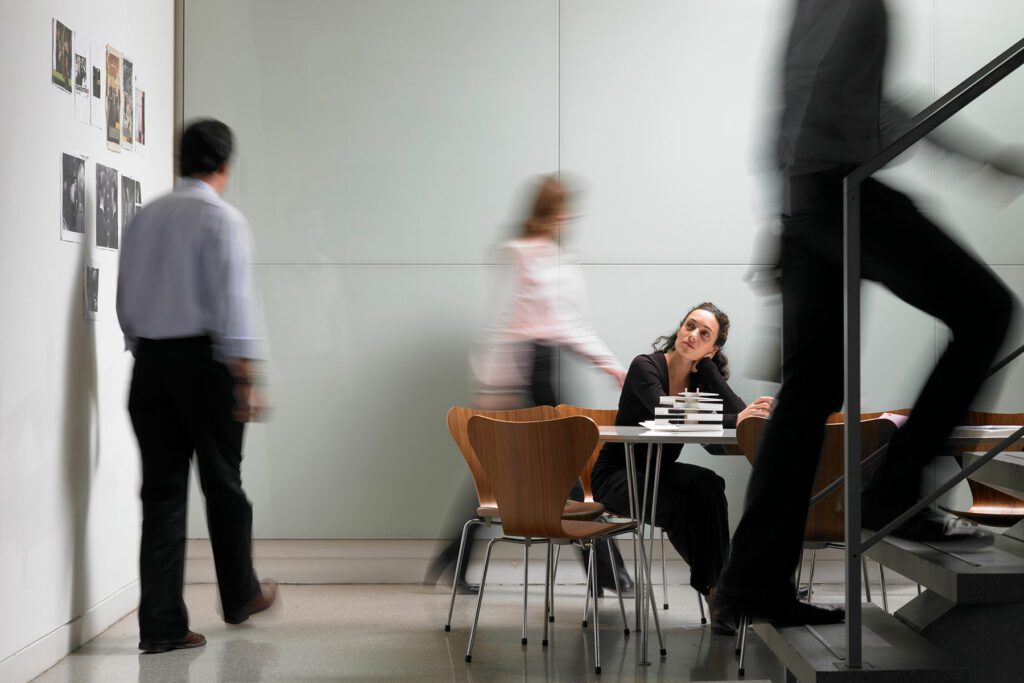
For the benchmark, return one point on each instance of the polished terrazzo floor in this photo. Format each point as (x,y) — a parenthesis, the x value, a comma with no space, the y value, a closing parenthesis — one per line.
(395,633)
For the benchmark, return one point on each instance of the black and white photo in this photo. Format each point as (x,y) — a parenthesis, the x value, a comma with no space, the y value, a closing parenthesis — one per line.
(62,57)
(72,198)
(106,207)
(127,104)
(91,287)
(83,103)
(131,201)
(98,56)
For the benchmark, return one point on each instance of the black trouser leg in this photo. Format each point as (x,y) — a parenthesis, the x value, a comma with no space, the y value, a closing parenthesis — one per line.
(692,509)
(917,262)
(542,375)
(166,453)
(607,562)
(228,510)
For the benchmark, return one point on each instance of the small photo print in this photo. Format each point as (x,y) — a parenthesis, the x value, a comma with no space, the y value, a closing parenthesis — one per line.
(131,202)
(113,61)
(140,117)
(106,207)
(83,103)
(92,290)
(97,115)
(127,104)
(72,198)
(62,56)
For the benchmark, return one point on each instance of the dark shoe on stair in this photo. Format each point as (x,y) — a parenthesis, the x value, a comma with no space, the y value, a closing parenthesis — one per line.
(781,612)
(190,640)
(260,603)
(722,623)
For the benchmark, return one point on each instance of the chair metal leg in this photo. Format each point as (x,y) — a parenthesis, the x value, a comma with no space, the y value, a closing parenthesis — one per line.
(664,574)
(458,568)
(526,582)
(739,637)
(480,599)
(586,599)
(596,612)
(547,594)
(918,588)
(864,573)
(554,573)
(744,627)
(618,591)
(700,605)
(799,572)
(885,594)
(810,579)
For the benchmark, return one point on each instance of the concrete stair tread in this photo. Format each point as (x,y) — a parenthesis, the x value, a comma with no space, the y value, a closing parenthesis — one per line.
(891,651)
(977,570)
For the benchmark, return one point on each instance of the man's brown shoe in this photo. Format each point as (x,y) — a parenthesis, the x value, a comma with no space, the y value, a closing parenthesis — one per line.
(263,601)
(190,640)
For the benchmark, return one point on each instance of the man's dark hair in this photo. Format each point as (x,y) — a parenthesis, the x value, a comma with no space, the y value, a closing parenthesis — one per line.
(204,146)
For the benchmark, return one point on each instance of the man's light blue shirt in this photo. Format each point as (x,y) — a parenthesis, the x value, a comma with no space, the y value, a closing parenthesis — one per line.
(186,271)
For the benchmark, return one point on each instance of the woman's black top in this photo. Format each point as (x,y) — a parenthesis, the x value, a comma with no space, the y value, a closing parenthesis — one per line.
(646,382)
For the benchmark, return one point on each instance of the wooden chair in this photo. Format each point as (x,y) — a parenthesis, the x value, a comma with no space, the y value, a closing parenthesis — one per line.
(825,520)
(983,496)
(607,418)
(530,466)
(487,510)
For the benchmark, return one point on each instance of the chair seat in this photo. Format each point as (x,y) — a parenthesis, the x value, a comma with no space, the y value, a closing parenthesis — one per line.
(594,529)
(582,511)
(574,510)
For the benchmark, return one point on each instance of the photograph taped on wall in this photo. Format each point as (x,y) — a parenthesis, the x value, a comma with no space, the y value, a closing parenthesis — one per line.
(106,207)
(91,289)
(127,104)
(131,202)
(140,118)
(83,103)
(60,74)
(72,198)
(113,62)
(96,116)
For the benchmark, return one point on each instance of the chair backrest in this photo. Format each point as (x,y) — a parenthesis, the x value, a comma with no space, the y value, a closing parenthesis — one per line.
(601,418)
(458,419)
(825,520)
(530,466)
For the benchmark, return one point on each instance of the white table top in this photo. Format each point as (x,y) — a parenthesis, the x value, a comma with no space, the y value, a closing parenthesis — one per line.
(961,436)
(614,434)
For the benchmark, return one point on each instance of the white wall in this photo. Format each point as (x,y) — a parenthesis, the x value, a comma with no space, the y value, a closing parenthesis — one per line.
(383,146)
(69,516)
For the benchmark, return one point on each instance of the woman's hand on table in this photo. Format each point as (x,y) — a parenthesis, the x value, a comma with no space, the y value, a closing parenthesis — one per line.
(761,407)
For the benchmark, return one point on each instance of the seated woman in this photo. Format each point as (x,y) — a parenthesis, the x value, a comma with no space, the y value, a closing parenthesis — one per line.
(691,500)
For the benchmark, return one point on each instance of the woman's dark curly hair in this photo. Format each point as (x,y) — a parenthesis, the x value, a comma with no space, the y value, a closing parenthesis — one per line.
(668,342)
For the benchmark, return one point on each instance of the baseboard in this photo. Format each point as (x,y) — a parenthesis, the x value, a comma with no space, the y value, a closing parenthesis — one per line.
(37,657)
(407,561)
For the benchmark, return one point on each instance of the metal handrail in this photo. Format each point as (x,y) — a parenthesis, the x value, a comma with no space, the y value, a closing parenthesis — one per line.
(922,124)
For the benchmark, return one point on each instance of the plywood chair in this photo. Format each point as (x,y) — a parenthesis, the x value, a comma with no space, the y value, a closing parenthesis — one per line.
(825,520)
(487,510)
(986,499)
(603,418)
(530,466)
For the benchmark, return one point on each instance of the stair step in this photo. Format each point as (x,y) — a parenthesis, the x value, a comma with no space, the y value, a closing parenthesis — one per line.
(891,651)
(971,571)
(1005,472)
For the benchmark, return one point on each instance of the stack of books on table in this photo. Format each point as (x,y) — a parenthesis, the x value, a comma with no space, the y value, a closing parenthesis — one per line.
(690,411)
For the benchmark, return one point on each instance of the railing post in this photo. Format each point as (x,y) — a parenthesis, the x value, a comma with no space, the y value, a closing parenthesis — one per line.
(851,310)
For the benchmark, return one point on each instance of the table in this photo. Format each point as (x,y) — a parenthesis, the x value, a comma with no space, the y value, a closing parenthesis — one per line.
(631,436)
(655,439)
